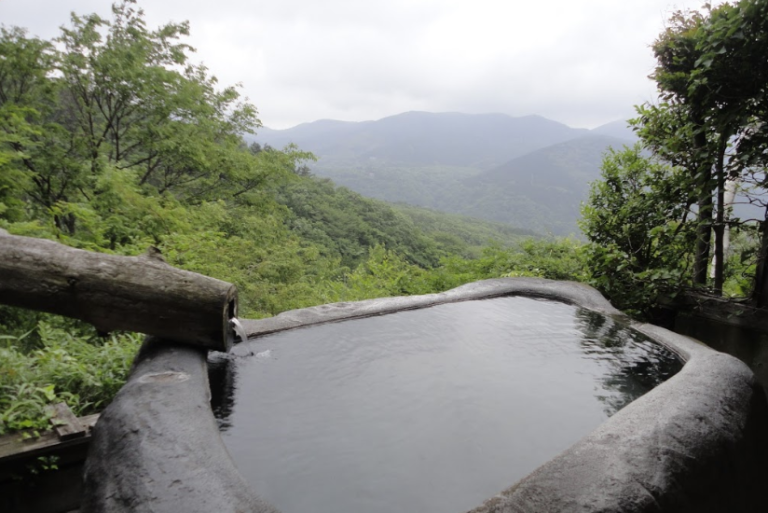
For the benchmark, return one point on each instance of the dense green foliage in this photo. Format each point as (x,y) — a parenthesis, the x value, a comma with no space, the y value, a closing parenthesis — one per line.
(346,224)
(421,185)
(59,363)
(465,236)
(635,220)
(560,259)
(112,141)
(711,126)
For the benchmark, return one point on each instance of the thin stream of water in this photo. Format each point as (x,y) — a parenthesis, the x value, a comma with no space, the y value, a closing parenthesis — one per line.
(238,328)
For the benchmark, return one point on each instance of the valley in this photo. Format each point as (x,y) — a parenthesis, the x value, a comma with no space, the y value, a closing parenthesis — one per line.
(528,172)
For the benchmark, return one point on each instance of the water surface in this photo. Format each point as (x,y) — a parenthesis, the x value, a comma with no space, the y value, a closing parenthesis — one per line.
(429,410)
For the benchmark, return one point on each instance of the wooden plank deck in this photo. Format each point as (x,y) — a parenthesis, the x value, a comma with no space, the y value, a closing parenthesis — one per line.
(68,431)
(24,490)
(65,424)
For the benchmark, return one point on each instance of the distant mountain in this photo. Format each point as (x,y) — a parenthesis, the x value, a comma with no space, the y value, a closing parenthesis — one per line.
(481,141)
(619,129)
(527,172)
(319,136)
(567,165)
(542,190)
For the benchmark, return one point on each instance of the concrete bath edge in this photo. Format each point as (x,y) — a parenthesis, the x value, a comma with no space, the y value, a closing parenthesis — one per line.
(694,443)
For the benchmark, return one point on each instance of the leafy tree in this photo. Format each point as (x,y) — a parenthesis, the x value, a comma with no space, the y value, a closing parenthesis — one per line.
(637,222)
(712,76)
(687,127)
(25,95)
(118,94)
(558,259)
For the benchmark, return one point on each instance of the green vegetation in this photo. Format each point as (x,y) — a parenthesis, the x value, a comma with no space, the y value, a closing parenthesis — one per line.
(659,225)
(111,140)
(58,362)
(540,190)
(635,220)
(424,185)
(466,236)
(344,223)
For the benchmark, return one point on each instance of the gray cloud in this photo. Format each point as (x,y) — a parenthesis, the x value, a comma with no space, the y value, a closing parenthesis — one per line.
(583,63)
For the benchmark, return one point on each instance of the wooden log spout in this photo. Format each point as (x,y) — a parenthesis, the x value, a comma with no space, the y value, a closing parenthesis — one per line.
(143,294)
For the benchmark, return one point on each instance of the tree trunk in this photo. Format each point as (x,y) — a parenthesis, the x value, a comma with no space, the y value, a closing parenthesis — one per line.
(760,292)
(112,292)
(730,196)
(703,240)
(720,220)
(704,228)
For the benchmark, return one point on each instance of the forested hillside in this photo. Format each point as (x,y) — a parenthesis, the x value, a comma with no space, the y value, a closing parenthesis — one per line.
(113,140)
(528,172)
(542,190)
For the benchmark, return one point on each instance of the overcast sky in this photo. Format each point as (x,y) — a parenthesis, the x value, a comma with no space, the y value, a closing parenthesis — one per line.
(581,62)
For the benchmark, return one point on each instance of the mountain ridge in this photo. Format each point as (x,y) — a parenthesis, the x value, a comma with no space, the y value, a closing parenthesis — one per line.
(529,171)
(446,138)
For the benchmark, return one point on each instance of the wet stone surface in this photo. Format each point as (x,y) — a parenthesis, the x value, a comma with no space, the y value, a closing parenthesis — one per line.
(164,377)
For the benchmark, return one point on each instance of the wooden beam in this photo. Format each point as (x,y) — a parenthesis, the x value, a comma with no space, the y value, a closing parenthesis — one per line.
(112,292)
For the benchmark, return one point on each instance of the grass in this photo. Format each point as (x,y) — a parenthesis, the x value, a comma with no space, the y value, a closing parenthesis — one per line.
(53,364)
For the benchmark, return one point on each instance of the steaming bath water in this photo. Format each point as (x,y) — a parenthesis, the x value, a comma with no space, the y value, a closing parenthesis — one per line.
(429,410)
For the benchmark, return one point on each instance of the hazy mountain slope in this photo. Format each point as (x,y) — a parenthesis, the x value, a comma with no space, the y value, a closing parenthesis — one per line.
(542,190)
(422,138)
(566,165)
(320,137)
(481,140)
(424,186)
(619,129)
(527,172)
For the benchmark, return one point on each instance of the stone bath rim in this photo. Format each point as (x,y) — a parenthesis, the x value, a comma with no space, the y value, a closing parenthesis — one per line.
(692,444)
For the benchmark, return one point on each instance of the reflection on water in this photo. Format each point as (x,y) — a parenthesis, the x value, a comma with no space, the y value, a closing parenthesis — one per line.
(221,376)
(634,363)
(425,410)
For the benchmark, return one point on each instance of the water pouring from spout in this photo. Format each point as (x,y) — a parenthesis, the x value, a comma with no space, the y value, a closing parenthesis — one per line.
(238,329)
